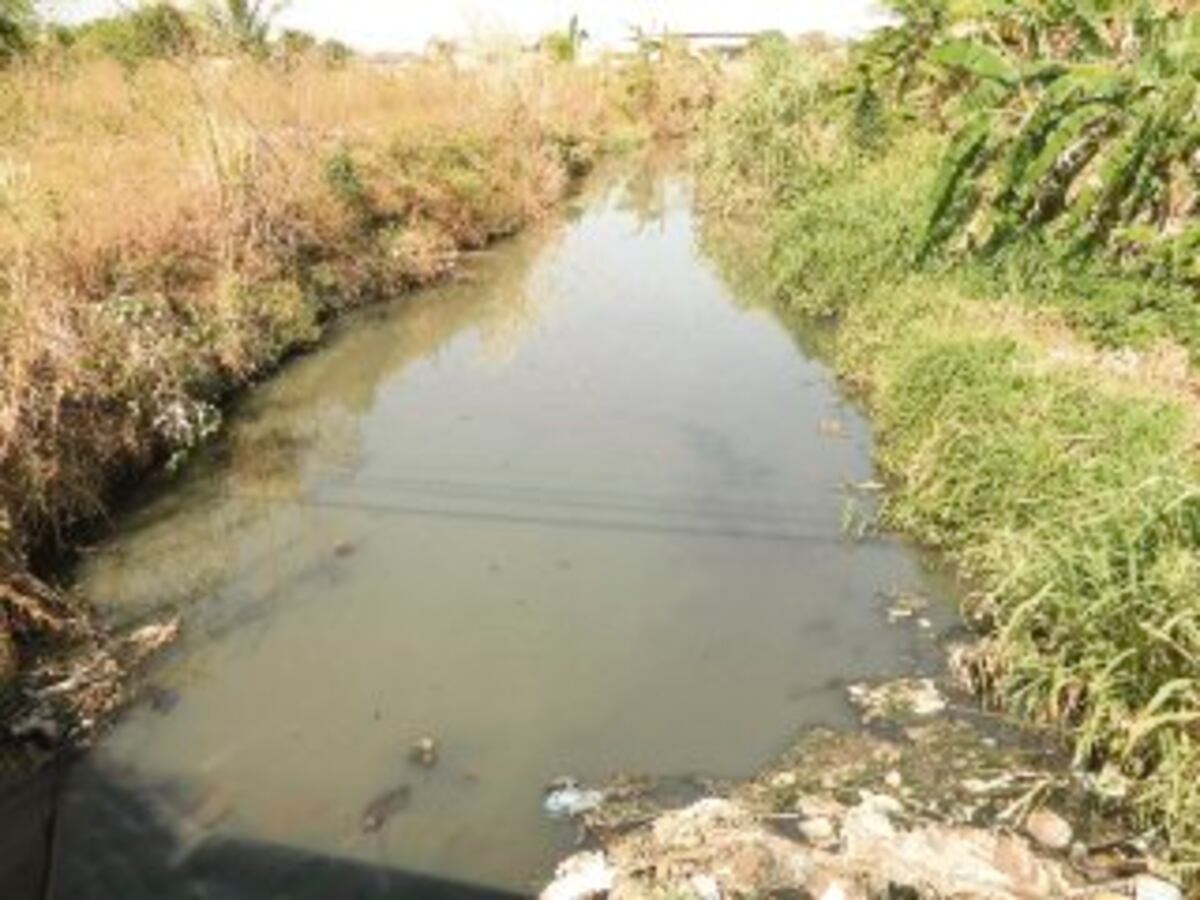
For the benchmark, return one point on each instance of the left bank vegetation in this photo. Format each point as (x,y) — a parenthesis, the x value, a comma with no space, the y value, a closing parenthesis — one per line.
(188,198)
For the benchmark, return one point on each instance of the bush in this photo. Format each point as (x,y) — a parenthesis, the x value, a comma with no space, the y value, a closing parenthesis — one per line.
(16,25)
(154,31)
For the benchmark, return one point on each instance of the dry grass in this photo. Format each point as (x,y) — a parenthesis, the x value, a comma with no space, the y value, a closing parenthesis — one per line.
(169,233)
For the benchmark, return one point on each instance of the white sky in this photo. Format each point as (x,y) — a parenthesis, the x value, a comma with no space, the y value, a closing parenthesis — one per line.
(408,24)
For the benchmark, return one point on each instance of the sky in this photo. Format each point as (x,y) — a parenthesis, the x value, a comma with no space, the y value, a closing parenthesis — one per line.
(374,25)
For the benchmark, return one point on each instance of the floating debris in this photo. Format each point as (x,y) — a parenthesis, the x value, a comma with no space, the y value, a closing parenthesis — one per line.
(900,699)
(905,607)
(424,752)
(383,807)
(567,799)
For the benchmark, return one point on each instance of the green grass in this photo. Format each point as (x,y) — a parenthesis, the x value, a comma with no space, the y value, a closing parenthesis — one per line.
(1071,498)
(1059,476)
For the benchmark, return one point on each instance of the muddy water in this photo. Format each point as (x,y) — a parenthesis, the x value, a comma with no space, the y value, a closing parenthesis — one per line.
(580,513)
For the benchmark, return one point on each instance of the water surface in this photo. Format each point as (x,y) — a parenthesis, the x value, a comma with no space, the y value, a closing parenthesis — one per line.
(580,513)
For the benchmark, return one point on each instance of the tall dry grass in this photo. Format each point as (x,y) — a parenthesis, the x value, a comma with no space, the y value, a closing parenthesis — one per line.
(170,232)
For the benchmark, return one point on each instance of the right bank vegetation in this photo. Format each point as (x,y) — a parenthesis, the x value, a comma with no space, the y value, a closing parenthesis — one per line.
(997,203)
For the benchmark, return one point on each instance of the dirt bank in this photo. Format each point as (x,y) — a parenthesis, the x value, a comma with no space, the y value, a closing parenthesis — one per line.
(931,799)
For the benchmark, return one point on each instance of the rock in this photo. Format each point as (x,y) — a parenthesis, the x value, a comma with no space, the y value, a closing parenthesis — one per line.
(880,803)
(705,887)
(1049,829)
(343,549)
(1148,887)
(819,808)
(893,779)
(818,831)
(581,877)
(424,752)
(784,780)
(826,886)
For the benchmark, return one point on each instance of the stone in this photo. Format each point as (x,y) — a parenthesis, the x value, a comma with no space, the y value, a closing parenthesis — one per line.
(818,831)
(784,780)
(704,887)
(866,827)
(1150,887)
(893,779)
(583,876)
(1049,829)
(880,803)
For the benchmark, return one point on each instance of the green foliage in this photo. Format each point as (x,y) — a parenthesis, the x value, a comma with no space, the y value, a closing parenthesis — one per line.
(293,43)
(243,24)
(1094,122)
(1073,503)
(343,178)
(335,53)
(564,46)
(767,136)
(1041,155)
(152,31)
(16,27)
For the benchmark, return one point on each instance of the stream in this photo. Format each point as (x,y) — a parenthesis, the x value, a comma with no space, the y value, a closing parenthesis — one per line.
(580,512)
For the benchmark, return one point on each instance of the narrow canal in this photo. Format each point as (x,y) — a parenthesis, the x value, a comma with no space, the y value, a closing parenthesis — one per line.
(580,512)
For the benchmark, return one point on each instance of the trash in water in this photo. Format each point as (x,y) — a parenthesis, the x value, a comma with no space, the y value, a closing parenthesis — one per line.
(385,806)
(424,752)
(567,799)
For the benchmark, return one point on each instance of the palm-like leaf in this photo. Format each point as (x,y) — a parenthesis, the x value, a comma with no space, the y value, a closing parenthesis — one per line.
(1093,121)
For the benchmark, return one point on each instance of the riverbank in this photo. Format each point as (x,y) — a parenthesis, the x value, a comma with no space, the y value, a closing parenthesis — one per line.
(173,231)
(929,798)
(1036,416)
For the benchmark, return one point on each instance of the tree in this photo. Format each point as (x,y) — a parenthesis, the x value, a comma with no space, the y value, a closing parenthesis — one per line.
(246,24)
(16,25)
(564,46)
(154,30)
(1074,123)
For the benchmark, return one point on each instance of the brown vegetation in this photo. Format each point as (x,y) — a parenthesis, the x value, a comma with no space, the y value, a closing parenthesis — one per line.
(170,232)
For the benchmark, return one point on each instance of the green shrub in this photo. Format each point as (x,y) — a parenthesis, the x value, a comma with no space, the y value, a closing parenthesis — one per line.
(16,26)
(1072,500)
(154,31)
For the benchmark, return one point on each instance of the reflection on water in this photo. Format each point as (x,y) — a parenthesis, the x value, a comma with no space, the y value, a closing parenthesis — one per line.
(575,514)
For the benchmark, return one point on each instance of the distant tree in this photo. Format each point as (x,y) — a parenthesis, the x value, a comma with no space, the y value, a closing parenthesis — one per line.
(335,53)
(16,26)
(154,30)
(564,46)
(245,24)
(293,43)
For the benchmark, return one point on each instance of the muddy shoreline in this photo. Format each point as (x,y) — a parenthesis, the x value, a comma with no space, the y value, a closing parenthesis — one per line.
(931,797)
